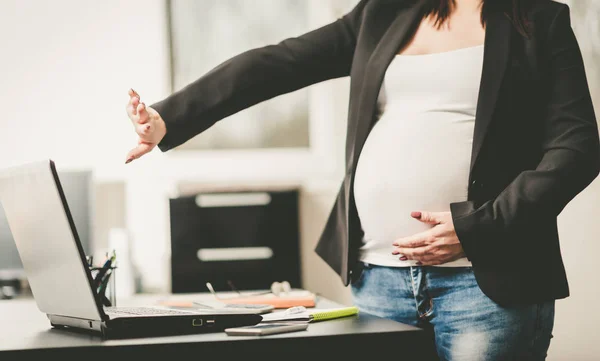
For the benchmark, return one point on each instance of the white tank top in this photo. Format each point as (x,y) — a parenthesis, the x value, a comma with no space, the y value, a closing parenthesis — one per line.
(417,156)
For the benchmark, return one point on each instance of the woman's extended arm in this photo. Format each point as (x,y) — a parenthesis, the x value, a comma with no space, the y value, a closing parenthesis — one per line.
(571,159)
(248,79)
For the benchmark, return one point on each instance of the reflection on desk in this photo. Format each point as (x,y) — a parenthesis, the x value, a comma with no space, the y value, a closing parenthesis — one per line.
(27,331)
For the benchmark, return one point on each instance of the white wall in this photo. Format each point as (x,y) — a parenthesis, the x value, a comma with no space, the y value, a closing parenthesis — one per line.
(67,66)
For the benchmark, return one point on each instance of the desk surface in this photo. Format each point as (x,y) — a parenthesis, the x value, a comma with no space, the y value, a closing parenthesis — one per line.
(25,329)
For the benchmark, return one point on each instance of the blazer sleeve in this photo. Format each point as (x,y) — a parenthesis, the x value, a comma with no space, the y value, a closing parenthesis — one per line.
(258,75)
(570,161)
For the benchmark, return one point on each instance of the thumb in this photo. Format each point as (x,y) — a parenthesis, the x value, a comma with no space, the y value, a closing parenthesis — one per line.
(138,151)
(426,217)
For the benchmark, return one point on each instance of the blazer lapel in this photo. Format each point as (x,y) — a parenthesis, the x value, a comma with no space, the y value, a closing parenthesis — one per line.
(399,31)
(495,60)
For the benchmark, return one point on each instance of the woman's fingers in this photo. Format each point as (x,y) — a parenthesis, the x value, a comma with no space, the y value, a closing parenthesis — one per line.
(143,130)
(133,93)
(142,112)
(131,107)
(147,123)
(135,102)
(141,149)
(138,113)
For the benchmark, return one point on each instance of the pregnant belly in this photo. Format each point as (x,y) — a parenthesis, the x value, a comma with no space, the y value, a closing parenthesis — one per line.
(418,162)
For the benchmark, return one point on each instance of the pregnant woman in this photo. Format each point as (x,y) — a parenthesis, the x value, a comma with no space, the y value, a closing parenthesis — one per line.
(470,128)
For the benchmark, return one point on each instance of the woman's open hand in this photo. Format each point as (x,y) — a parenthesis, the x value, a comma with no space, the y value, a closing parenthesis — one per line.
(435,246)
(148,124)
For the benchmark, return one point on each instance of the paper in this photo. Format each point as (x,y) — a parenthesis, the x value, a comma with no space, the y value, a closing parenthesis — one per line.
(301,314)
(297,313)
(208,306)
(281,301)
(289,294)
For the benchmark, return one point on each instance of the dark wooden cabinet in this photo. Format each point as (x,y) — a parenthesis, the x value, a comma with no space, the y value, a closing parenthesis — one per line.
(245,240)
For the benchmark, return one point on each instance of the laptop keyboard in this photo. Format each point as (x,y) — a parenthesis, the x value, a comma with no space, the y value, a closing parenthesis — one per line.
(143,311)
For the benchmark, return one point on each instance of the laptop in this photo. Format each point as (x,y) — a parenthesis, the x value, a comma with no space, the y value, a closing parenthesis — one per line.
(58,274)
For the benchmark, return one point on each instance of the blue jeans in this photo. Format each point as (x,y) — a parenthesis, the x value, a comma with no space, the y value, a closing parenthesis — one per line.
(467,325)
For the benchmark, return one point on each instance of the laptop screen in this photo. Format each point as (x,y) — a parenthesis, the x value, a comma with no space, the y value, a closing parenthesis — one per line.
(47,241)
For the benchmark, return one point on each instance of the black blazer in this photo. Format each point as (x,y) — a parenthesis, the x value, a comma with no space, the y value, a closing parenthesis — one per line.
(535,143)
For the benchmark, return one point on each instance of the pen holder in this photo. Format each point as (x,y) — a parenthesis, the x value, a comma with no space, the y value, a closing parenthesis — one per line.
(104,279)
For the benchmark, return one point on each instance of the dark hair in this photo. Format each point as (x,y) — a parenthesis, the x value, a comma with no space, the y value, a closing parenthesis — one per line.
(516,10)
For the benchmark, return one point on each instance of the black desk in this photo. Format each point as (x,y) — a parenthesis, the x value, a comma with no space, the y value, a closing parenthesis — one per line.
(25,331)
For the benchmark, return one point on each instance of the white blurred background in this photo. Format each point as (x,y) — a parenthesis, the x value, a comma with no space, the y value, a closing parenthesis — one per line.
(66,68)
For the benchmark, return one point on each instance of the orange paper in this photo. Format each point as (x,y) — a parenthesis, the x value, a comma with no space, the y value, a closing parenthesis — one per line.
(276,301)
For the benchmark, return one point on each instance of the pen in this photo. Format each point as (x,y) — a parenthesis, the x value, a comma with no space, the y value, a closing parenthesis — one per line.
(101,272)
(104,269)
(104,281)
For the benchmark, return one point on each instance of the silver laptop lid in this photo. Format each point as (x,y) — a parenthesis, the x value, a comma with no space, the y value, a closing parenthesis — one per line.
(47,241)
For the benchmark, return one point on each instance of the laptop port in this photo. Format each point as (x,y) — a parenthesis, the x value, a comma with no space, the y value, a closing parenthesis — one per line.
(210,322)
(197,322)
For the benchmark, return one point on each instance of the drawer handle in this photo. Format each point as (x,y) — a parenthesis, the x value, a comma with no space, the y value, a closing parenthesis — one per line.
(232,200)
(234,254)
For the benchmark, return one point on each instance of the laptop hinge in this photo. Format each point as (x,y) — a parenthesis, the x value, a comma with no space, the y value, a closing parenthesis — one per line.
(92,325)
